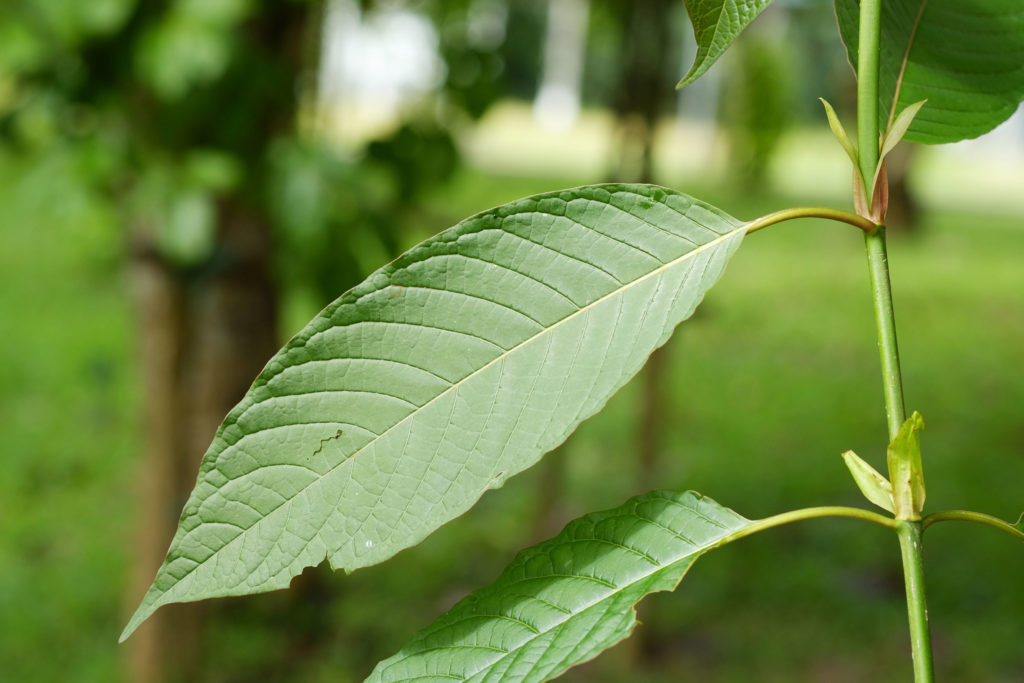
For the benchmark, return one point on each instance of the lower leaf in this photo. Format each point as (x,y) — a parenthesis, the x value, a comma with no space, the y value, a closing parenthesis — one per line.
(566,600)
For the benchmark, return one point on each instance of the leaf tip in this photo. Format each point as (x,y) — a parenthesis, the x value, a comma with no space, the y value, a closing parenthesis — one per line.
(152,601)
(134,623)
(694,73)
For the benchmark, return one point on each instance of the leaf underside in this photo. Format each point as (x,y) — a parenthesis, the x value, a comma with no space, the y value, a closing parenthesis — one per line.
(566,600)
(716,23)
(966,57)
(445,373)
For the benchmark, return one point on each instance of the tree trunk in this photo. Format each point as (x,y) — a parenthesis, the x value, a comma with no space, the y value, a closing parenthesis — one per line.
(203,339)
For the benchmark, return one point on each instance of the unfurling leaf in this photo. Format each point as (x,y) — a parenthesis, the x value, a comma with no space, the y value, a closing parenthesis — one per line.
(905,473)
(445,373)
(871,483)
(716,23)
(568,599)
(965,57)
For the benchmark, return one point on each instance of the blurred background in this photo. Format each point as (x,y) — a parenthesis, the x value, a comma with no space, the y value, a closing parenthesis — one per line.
(184,183)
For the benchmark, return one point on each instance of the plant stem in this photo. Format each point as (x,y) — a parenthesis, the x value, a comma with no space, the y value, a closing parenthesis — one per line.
(913,573)
(867,89)
(885,320)
(909,532)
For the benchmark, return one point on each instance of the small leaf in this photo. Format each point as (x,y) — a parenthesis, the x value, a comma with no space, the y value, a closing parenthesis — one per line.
(860,202)
(442,375)
(905,472)
(965,58)
(871,483)
(568,599)
(841,136)
(891,138)
(898,129)
(716,23)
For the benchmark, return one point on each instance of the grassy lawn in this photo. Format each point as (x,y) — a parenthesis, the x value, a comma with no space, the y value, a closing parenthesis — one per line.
(772,379)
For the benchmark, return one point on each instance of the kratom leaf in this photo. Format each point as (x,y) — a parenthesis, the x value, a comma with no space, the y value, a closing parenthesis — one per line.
(966,57)
(716,23)
(905,472)
(446,372)
(566,600)
(870,481)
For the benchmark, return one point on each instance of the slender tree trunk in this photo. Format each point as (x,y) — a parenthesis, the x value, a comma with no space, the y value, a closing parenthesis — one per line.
(642,95)
(639,102)
(643,88)
(208,330)
(203,338)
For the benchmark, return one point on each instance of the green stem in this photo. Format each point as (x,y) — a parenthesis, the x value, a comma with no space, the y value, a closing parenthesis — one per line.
(867,142)
(917,609)
(867,89)
(885,320)
(967,516)
(853,219)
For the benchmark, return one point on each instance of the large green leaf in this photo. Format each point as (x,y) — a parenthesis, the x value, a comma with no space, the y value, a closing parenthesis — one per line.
(716,23)
(442,375)
(966,57)
(566,600)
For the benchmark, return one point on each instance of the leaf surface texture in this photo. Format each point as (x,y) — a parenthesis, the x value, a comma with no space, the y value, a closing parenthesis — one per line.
(440,376)
(966,57)
(566,600)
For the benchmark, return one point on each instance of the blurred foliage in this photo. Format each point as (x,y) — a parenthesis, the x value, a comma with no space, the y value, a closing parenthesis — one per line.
(758,101)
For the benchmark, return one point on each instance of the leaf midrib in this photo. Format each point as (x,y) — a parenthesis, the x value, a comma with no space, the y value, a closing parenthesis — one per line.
(619,290)
(906,59)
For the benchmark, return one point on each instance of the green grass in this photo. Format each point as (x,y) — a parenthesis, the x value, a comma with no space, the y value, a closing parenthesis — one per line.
(773,378)
(69,399)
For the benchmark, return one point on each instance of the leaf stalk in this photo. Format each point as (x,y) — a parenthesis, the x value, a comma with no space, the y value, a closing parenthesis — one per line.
(811,513)
(839,215)
(969,516)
